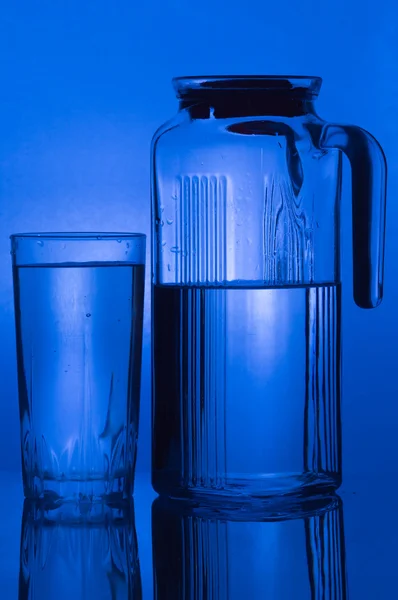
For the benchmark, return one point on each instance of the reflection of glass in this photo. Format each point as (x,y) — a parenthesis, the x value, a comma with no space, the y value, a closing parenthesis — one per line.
(291,553)
(93,558)
(78,305)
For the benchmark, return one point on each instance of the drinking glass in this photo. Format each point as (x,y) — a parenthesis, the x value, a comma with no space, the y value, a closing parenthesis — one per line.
(79,313)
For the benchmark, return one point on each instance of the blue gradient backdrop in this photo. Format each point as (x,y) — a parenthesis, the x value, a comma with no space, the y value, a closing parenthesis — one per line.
(85,84)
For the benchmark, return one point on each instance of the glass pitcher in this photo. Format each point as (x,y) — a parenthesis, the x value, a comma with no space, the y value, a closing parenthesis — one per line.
(246,192)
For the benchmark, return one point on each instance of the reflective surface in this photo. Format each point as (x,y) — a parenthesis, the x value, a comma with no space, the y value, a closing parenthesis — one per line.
(92,557)
(294,552)
(266,554)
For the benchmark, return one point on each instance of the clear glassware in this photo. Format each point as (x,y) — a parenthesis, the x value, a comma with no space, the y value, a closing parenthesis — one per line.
(79,313)
(90,556)
(284,553)
(246,192)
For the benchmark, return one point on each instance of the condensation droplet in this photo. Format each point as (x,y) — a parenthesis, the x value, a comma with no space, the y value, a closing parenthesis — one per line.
(164,243)
(88,314)
(127,245)
(170,221)
(174,249)
(169,267)
(119,241)
(40,243)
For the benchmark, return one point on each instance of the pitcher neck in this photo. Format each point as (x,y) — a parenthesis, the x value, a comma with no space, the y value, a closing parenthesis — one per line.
(241,96)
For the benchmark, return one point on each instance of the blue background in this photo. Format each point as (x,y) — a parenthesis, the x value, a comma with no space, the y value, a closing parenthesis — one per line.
(85,84)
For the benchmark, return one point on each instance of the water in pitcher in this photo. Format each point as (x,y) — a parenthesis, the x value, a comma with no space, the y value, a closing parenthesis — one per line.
(78,339)
(247,389)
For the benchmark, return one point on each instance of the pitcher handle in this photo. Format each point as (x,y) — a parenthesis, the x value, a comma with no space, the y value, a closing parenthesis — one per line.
(369,175)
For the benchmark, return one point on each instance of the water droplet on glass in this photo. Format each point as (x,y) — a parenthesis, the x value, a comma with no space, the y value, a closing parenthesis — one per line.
(162,209)
(40,243)
(169,221)
(164,243)
(127,245)
(88,314)
(99,237)
(169,267)
(162,223)
(174,249)
(119,241)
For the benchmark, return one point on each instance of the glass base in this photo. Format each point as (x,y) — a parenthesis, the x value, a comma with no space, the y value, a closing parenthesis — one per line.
(241,489)
(78,496)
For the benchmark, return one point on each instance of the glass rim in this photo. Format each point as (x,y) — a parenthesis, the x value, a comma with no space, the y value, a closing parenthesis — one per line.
(77,235)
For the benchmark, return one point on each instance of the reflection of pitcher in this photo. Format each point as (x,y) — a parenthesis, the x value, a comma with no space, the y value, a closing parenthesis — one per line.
(86,559)
(288,554)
